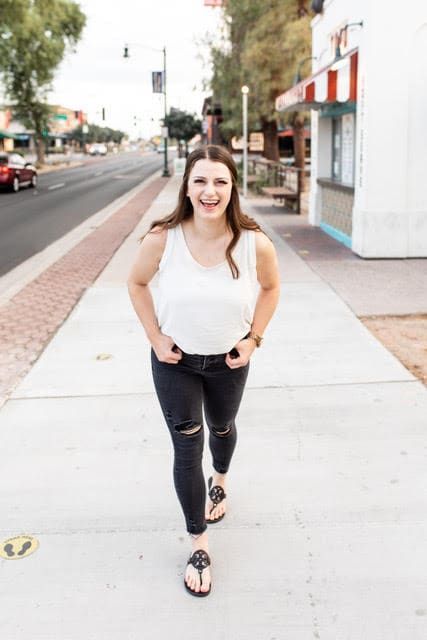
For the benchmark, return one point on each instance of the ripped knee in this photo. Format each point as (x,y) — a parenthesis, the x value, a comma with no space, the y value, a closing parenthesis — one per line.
(188,427)
(223,432)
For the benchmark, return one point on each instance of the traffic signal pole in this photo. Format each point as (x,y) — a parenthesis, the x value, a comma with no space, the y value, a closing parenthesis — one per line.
(166,173)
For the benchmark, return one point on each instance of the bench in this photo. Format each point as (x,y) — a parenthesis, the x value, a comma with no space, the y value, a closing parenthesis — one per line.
(285,194)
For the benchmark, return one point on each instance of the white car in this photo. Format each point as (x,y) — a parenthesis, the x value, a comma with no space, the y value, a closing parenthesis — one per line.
(98,149)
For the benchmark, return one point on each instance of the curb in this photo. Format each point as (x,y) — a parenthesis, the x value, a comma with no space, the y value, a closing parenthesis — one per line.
(30,319)
(13,281)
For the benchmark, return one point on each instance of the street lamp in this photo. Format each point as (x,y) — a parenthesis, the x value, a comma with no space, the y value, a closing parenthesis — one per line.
(338,53)
(126,54)
(297,77)
(245,91)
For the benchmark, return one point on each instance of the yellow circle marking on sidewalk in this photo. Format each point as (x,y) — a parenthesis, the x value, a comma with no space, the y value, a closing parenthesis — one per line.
(18,547)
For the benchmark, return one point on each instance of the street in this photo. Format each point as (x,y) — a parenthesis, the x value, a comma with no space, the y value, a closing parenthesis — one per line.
(34,218)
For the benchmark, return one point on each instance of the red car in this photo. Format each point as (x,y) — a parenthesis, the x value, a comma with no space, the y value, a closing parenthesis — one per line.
(15,172)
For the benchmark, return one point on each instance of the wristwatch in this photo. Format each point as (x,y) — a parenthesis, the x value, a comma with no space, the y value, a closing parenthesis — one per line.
(254,336)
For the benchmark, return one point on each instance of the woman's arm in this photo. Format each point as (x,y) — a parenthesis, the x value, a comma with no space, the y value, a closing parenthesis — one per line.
(145,267)
(269,280)
(268,297)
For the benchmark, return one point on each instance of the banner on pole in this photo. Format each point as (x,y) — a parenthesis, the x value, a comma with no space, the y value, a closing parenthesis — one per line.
(157,80)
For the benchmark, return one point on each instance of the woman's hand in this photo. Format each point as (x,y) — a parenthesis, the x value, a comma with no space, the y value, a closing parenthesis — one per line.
(245,349)
(165,349)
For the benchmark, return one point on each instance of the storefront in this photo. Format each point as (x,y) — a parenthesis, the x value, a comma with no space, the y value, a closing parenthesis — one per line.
(367,95)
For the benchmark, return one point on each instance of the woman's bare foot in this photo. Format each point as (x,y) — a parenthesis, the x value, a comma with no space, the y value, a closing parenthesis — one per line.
(192,576)
(218,479)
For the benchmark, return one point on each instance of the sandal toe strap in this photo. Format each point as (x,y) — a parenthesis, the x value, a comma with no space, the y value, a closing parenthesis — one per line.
(200,560)
(217,494)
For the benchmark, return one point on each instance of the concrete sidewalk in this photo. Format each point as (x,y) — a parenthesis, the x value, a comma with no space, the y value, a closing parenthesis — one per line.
(325,535)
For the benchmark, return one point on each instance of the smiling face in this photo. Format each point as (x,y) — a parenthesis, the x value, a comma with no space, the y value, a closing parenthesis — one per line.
(209,188)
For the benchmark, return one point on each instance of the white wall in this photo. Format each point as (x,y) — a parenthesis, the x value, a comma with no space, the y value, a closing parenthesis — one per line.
(416,184)
(337,13)
(321,160)
(390,209)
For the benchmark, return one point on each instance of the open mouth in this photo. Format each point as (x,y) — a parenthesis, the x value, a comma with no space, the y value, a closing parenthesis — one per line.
(209,204)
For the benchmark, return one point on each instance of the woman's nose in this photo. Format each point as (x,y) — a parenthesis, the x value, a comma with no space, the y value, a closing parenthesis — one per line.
(210,188)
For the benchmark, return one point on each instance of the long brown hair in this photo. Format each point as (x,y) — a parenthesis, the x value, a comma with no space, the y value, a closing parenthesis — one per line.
(236,219)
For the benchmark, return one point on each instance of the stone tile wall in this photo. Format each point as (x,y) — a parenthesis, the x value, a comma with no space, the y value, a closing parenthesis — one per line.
(337,207)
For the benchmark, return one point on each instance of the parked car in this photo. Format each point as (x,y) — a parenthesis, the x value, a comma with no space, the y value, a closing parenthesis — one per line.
(98,149)
(15,172)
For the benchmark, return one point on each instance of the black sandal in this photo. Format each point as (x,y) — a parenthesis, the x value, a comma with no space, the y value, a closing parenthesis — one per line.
(200,560)
(217,495)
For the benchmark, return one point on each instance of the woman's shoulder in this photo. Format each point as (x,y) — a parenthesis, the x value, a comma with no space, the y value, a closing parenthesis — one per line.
(157,235)
(264,246)
(154,241)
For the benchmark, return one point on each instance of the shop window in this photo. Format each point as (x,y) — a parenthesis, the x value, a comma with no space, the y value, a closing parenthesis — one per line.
(336,149)
(343,149)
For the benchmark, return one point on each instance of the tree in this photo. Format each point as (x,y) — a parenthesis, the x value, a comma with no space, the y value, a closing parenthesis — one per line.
(182,126)
(35,37)
(97,134)
(226,57)
(262,47)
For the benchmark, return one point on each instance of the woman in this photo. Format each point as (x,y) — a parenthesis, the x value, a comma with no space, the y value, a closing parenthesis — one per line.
(218,287)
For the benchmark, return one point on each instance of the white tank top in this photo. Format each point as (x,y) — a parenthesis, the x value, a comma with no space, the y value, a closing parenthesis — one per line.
(204,309)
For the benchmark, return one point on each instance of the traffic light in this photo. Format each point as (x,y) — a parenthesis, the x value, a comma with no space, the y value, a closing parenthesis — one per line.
(126,52)
(76,114)
(103,113)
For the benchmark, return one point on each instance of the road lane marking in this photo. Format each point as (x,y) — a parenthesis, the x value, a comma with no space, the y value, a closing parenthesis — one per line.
(56,186)
(15,280)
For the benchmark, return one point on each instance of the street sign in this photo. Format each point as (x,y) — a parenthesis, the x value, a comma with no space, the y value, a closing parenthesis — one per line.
(85,128)
(165,132)
(256,141)
(60,116)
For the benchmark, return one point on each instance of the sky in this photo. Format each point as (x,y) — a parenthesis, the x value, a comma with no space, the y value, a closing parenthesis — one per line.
(97,76)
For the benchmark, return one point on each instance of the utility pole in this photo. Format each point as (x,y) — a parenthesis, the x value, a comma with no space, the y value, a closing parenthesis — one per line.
(166,173)
(126,54)
(245,91)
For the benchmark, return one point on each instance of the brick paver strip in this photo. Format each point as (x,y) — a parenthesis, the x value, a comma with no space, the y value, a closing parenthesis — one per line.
(32,317)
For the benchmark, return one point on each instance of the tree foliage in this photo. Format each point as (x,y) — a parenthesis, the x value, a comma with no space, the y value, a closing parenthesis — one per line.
(262,45)
(182,125)
(97,134)
(35,36)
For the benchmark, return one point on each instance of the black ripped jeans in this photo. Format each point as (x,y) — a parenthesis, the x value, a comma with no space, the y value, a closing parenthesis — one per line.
(182,390)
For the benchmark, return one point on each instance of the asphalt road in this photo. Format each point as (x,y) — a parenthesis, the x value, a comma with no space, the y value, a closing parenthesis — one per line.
(32,219)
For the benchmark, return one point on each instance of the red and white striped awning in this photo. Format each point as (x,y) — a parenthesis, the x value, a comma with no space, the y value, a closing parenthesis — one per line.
(335,83)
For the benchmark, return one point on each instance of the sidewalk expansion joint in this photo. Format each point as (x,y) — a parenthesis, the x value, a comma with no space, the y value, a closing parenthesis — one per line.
(249,388)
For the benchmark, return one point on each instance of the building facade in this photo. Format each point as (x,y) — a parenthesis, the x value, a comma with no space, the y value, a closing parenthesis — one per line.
(368,100)
(15,136)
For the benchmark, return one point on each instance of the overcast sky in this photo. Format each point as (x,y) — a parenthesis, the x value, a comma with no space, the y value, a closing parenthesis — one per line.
(98,76)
